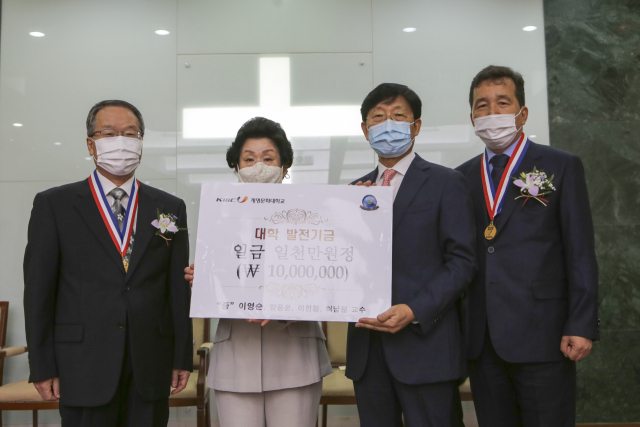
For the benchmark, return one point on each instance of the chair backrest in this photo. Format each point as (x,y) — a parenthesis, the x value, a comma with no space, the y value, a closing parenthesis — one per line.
(201,330)
(336,333)
(4,314)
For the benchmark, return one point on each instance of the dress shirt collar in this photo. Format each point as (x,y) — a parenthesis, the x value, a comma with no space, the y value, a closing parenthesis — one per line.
(107,185)
(508,151)
(401,167)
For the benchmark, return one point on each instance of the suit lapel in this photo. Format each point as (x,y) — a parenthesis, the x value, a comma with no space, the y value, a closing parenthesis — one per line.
(372,176)
(90,213)
(412,182)
(474,182)
(513,191)
(147,212)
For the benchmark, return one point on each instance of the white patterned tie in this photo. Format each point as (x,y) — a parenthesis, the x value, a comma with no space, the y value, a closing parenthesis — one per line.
(117,208)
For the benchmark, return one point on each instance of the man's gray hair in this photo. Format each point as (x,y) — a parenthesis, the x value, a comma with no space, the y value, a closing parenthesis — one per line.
(91,118)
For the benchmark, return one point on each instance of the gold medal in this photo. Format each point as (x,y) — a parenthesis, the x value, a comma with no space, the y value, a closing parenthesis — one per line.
(126,265)
(494,196)
(490,231)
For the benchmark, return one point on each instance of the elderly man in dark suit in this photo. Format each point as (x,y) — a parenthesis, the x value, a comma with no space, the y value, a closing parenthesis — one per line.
(406,363)
(106,304)
(532,310)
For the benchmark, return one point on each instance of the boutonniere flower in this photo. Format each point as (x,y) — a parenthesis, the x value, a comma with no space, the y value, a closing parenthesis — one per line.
(166,223)
(534,185)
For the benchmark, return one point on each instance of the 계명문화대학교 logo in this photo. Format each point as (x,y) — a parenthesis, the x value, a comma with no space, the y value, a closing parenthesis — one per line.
(232,199)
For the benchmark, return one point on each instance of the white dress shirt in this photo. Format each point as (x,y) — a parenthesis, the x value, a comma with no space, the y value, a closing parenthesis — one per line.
(401,168)
(107,186)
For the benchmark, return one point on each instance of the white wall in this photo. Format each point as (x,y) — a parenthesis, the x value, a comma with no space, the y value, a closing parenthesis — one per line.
(337,51)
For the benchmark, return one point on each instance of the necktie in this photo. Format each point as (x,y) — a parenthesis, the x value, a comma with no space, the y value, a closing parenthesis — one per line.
(387,176)
(120,212)
(499,162)
(117,208)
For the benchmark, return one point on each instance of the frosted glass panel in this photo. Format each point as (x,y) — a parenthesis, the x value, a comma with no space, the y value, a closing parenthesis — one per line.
(276,26)
(91,51)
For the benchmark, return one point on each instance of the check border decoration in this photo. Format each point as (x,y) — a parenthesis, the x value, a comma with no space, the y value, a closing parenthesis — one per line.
(296,216)
(292,252)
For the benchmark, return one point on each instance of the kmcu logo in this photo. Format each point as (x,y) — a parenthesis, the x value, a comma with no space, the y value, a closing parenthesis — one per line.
(233,199)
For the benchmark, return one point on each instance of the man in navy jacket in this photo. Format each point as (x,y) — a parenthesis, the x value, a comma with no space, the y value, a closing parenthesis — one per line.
(407,361)
(531,312)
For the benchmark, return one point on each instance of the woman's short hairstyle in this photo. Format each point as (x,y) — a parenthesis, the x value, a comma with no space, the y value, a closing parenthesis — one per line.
(259,127)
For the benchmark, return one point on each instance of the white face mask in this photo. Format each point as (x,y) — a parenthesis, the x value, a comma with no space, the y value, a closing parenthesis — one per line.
(118,155)
(261,173)
(498,131)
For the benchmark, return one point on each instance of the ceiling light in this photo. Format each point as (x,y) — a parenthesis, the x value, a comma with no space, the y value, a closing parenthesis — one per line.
(18,125)
(532,136)
(409,29)
(162,32)
(529,28)
(88,158)
(36,34)
(57,143)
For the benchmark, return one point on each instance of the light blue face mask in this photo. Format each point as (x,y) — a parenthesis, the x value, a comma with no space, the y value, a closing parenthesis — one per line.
(390,138)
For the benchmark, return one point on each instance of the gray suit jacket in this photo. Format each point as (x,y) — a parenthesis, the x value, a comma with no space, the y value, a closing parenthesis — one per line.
(248,358)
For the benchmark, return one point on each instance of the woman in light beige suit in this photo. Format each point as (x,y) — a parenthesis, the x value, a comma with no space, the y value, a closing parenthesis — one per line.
(266,372)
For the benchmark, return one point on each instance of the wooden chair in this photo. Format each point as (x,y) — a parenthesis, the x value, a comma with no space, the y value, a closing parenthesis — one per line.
(23,396)
(465,391)
(18,395)
(197,393)
(337,389)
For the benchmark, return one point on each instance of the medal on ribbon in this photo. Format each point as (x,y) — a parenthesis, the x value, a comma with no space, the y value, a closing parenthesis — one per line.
(494,197)
(119,237)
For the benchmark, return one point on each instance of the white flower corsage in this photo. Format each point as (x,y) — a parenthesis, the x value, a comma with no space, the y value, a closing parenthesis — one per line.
(166,223)
(534,185)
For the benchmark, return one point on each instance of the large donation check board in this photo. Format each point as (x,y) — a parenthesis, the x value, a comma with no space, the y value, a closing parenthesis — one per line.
(293,252)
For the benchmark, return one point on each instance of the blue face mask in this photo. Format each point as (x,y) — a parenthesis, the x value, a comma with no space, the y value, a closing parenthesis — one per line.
(390,138)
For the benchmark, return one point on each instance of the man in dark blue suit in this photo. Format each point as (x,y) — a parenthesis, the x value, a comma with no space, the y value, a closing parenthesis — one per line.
(407,361)
(531,312)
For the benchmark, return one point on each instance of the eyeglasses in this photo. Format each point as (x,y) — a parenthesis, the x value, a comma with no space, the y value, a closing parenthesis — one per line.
(398,116)
(109,133)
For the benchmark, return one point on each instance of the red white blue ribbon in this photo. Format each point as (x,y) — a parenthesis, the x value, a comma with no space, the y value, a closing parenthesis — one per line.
(120,238)
(493,197)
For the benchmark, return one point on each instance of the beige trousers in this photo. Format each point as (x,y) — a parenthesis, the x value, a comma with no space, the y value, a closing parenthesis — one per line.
(292,407)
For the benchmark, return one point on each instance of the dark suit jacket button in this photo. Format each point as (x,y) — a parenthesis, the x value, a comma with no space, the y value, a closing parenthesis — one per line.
(126,289)
(121,325)
(490,249)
